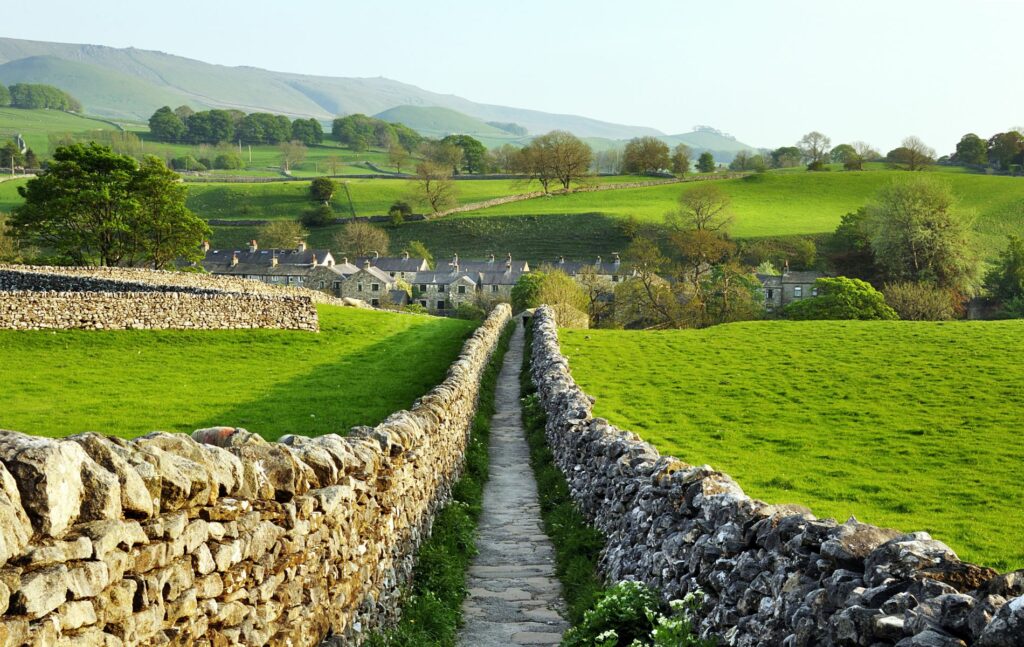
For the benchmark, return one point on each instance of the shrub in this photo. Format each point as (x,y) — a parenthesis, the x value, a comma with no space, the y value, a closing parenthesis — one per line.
(920,301)
(187,163)
(842,298)
(228,161)
(817,165)
(319,216)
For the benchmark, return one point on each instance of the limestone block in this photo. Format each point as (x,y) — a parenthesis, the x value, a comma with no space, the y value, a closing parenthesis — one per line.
(41,591)
(87,579)
(49,478)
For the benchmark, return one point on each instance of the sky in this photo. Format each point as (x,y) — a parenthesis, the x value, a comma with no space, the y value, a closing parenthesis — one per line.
(764,71)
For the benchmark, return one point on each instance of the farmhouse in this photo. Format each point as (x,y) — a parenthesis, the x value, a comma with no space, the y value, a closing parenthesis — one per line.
(370,284)
(782,289)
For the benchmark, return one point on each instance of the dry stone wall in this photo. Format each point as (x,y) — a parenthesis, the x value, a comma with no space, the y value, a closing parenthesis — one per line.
(221,538)
(773,574)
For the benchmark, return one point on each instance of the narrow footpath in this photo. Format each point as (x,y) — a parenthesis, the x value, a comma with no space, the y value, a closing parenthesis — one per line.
(514,597)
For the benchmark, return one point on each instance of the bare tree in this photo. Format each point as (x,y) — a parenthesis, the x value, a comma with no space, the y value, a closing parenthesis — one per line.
(291,153)
(360,239)
(914,154)
(397,155)
(434,187)
(281,234)
(865,151)
(704,207)
(815,147)
(598,291)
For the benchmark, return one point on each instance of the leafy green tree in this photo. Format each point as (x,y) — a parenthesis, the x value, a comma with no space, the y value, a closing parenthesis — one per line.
(228,162)
(5,96)
(971,150)
(322,189)
(210,127)
(921,301)
(319,216)
(912,155)
(165,126)
(291,153)
(564,156)
(1005,281)
(184,112)
(681,159)
(645,155)
(473,152)
(706,162)
(842,153)
(548,287)
(95,206)
(433,186)
(10,251)
(397,156)
(163,228)
(1005,149)
(307,131)
(786,157)
(355,131)
(917,235)
(814,148)
(842,298)
(11,156)
(38,96)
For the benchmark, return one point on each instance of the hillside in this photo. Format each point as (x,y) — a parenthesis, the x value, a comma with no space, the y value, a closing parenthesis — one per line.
(834,415)
(131,83)
(438,122)
(36,126)
(271,382)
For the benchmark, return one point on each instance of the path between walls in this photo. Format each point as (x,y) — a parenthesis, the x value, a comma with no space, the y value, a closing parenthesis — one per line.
(514,597)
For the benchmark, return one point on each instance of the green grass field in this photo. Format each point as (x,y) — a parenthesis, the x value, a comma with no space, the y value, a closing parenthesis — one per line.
(909,425)
(36,125)
(362,366)
(796,202)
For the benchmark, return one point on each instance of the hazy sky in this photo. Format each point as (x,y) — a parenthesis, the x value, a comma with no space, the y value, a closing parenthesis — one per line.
(765,71)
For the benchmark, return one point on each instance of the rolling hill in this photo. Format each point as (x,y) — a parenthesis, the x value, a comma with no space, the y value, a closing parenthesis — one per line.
(438,122)
(129,83)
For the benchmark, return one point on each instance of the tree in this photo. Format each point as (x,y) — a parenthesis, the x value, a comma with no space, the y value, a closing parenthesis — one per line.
(281,234)
(228,161)
(562,156)
(292,153)
(210,127)
(535,162)
(731,293)
(5,96)
(166,126)
(971,150)
(814,148)
(11,156)
(505,158)
(912,155)
(920,301)
(1005,281)
(164,229)
(42,97)
(95,206)
(1005,149)
(361,239)
(842,298)
(474,154)
(598,290)
(307,131)
(443,153)
(434,187)
(397,156)
(319,216)
(417,249)
(704,207)
(548,287)
(866,151)
(706,162)
(681,159)
(645,155)
(184,112)
(842,153)
(9,248)
(647,300)
(747,161)
(322,189)
(917,234)
(786,157)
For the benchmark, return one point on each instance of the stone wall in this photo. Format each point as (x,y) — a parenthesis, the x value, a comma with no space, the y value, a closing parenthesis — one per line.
(773,574)
(222,538)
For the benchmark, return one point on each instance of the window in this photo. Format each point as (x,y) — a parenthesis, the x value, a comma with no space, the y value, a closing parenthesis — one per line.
(423,287)
(374,302)
(462,289)
(359,287)
(771,293)
(392,274)
(440,305)
(423,302)
(320,285)
(494,288)
(814,292)
(798,292)
(375,287)
(615,278)
(337,285)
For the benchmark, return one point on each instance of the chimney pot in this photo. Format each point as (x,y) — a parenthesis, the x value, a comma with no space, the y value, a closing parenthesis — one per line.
(234,259)
(253,246)
(366,264)
(273,260)
(344,260)
(314,260)
(302,245)
(405,255)
(206,245)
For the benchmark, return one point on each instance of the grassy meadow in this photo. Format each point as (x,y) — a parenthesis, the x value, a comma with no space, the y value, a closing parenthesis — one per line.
(362,366)
(902,424)
(36,125)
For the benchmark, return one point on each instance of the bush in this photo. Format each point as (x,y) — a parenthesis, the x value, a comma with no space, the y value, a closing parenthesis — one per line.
(842,298)
(817,165)
(319,216)
(921,301)
(187,163)
(228,161)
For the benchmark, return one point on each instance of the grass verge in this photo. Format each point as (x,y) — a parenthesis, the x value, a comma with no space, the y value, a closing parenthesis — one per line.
(432,610)
(577,544)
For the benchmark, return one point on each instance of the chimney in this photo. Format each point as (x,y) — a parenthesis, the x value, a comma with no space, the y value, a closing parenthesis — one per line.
(405,255)
(785,268)
(561,260)
(615,256)
(273,260)
(366,264)
(508,263)
(344,260)
(492,259)
(598,262)
(234,259)
(206,246)
(253,246)
(376,254)
(314,260)
(302,246)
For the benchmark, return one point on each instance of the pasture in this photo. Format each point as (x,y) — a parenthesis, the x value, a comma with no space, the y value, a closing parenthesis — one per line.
(906,425)
(362,366)
(37,125)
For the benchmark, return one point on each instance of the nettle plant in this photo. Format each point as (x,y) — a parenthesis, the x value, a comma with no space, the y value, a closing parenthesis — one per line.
(629,614)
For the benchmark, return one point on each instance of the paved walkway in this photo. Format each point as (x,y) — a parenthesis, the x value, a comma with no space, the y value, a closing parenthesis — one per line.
(514,597)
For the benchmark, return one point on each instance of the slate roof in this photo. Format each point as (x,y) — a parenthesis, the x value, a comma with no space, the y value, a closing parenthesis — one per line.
(394,263)
(443,278)
(572,268)
(376,273)
(492,265)
(265,257)
(790,278)
(499,278)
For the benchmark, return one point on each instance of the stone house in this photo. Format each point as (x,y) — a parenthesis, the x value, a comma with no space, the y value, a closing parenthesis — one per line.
(370,284)
(492,265)
(611,271)
(782,289)
(397,267)
(294,267)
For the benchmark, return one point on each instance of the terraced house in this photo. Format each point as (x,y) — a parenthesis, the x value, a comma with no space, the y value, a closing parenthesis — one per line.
(302,266)
(782,289)
(483,282)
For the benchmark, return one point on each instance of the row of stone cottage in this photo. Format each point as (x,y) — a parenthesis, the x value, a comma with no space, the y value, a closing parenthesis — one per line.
(388,280)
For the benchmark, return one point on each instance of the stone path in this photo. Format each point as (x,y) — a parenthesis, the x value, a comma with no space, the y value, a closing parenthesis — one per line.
(514,597)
